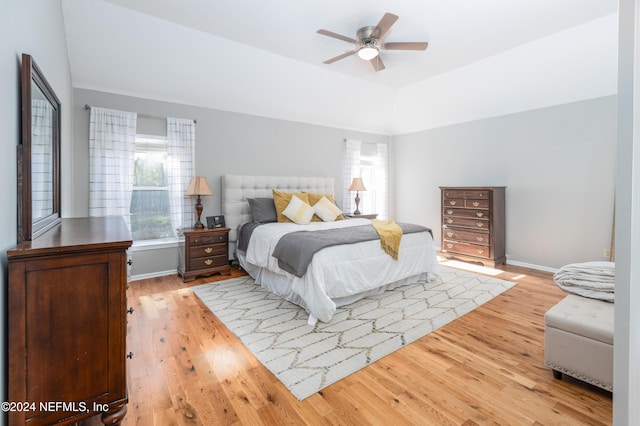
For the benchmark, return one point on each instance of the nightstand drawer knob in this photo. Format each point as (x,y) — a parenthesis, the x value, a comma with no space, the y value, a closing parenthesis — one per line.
(208,262)
(208,250)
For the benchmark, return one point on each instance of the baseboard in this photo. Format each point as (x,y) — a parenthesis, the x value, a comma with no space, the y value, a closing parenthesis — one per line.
(531,266)
(153,275)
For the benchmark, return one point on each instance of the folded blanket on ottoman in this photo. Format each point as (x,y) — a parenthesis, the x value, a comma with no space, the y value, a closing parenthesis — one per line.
(595,280)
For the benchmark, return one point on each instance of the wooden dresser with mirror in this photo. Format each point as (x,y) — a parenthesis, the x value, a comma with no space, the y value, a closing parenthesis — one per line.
(67,281)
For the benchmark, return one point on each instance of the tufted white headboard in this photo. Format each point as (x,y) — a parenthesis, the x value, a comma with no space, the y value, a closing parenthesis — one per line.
(237,188)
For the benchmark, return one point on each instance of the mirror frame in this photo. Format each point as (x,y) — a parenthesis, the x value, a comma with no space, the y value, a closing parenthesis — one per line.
(29,227)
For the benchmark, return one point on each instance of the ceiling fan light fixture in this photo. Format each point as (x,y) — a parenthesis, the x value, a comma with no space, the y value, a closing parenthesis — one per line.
(368,52)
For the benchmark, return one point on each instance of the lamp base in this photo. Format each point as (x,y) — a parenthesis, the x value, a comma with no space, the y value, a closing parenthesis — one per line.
(356,212)
(198,224)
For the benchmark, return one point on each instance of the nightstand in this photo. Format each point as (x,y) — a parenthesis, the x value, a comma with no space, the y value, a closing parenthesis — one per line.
(361,216)
(204,252)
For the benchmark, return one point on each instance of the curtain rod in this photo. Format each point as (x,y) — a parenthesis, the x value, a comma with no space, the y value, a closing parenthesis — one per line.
(88,107)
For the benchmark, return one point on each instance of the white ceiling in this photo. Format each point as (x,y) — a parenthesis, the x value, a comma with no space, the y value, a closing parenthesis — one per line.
(265,58)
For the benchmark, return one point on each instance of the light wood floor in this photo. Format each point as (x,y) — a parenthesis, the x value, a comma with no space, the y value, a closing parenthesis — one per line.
(485,368)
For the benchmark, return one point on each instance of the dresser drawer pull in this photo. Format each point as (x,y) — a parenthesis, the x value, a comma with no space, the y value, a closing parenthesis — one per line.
(452,202)
(208,262)
(130,355)
(479,214)
(480,251)
(449,211)
(208,250)
(449,220)
(449,245)
(480,238)
(449,234)
(476,204)
(130,310)
(480,224)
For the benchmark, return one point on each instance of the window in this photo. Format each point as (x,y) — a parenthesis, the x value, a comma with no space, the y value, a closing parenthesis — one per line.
(368,161)
(150,203)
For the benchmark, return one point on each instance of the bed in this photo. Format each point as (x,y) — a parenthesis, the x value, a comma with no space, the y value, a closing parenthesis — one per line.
(336,275)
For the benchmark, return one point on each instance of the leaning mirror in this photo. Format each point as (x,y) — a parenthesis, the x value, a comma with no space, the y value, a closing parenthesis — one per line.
(38,154)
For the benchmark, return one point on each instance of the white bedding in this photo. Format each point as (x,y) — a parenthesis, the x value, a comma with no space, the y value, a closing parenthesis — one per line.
(339,274)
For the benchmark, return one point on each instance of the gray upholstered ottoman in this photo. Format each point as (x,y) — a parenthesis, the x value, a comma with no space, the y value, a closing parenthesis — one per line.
(578,340)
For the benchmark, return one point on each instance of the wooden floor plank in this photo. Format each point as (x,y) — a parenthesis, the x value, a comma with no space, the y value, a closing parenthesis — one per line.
(484,368)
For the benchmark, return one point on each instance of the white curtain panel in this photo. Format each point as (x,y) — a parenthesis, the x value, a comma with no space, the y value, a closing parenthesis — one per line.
(112,137)
(351,170)
(42,155)
(382,181)
(181,142)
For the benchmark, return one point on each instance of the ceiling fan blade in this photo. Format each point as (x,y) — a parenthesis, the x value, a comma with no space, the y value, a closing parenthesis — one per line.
(338,36)
(410,45)
(384,25)
(337,58)
(377,63)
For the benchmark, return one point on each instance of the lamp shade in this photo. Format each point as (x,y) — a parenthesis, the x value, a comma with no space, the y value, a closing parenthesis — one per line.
(198,186)
(357,185)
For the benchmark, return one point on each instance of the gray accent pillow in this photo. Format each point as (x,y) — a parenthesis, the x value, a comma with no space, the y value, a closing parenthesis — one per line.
(263,210)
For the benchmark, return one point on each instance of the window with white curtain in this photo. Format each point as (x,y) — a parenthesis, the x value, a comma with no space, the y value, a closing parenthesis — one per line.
(139,177)
(368,161)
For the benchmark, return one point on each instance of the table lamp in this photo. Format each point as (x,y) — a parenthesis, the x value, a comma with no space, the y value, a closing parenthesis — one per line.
(357,185)
(198,187)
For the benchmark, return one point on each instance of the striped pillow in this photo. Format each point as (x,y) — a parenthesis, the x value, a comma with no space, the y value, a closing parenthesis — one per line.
(299,211)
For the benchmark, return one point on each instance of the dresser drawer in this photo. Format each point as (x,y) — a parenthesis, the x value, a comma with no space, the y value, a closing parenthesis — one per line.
(455,234)
(453,193)
(473,213)
(208,262)
(453,202)
(474,203)
(466,222)
(198,240)
(466,248)
(207,250)
(477,194)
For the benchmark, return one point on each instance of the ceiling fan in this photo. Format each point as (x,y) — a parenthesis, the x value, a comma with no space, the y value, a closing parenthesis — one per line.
(369,42)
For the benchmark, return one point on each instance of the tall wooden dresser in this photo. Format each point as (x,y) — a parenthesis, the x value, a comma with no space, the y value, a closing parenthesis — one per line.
(473,224)
(67,323)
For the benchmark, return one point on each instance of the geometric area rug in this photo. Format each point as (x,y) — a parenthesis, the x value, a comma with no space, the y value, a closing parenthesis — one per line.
(308,358)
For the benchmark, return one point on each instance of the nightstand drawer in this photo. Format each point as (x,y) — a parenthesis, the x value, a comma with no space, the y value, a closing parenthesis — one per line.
(207,250)
(199,240)
(208,262)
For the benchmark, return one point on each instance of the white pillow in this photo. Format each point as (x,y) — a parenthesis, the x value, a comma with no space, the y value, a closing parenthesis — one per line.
(298,211)
(326,210)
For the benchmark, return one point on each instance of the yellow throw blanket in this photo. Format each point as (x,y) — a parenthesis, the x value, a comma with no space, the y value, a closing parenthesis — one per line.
(390,236)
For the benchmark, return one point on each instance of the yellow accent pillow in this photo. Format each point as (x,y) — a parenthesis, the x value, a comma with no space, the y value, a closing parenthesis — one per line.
(299,211)
(282,199)
(314,198)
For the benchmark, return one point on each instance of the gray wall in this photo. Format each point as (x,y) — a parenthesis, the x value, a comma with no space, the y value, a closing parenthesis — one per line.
(34,27)
(226,143)
(557,163)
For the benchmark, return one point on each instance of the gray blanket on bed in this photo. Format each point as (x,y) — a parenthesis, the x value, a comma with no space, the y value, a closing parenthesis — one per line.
(294,251)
